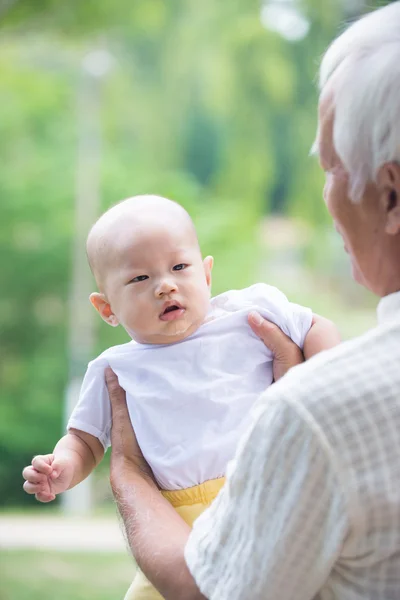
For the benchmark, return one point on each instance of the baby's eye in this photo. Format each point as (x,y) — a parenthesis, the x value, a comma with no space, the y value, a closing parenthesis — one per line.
(139,278)
(179,267)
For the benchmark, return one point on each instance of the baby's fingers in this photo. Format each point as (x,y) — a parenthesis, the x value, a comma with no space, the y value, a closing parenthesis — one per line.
(40,492)
(42,463)
(43,497)
(30,474)
(33,488)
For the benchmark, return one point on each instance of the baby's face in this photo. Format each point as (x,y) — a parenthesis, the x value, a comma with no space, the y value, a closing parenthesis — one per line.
(157,284)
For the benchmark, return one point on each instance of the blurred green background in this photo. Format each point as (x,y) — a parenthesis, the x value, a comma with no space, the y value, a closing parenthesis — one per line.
(210,103)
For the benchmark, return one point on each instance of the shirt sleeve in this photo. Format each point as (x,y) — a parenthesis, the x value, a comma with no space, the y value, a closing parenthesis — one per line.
(92,413)
(275,530)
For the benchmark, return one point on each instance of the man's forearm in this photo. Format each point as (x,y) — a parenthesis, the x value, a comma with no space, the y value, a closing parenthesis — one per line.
(156,535)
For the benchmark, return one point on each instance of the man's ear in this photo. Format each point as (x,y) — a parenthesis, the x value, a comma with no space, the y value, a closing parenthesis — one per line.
(208,263)
(388,181)
(103,307)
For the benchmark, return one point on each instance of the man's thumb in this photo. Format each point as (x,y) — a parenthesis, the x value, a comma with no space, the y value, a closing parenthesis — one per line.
(114,389)
(111,378)
(269,333)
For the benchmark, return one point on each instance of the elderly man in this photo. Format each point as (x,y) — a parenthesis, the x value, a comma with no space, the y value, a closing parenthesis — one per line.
(311,507)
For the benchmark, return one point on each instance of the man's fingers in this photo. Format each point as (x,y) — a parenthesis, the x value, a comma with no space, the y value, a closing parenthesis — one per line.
(121,424)
(121,430)
(112,383)
(115,391)
(42,464)
(123,439)
(30,474)
(271,335)
(286,354)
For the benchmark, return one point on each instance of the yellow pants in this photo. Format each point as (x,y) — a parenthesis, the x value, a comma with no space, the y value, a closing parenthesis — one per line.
(189,504)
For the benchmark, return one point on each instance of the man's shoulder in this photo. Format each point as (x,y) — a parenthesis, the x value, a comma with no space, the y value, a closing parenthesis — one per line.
(375,351)
(342,389)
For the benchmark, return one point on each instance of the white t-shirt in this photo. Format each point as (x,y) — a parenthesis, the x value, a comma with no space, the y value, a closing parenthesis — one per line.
(189,402)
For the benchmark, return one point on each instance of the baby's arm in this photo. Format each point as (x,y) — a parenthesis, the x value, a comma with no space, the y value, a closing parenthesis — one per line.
(73,459)
(322,335)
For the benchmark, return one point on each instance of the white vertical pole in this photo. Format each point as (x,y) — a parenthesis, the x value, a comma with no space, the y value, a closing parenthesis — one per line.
(87,204)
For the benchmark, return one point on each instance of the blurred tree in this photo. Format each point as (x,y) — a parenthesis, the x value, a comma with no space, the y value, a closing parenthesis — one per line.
(35,183)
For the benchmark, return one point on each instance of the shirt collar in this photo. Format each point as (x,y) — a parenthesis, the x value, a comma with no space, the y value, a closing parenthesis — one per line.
(389,308)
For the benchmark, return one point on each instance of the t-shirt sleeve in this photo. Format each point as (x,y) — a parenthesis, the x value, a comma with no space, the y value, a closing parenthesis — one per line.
(293,319)
(92,413)
(276,528)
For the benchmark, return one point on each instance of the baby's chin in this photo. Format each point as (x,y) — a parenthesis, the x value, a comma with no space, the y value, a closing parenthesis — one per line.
(176,331)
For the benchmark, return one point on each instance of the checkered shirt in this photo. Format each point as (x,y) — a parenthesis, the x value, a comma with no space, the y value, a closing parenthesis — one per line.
(311,508)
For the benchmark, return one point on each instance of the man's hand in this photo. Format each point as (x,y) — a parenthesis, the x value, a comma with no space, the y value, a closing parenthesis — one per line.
(286,353)
(47,476)
(126,455)
(156,533)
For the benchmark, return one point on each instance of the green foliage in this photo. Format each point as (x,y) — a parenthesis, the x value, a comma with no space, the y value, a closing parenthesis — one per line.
(202,104)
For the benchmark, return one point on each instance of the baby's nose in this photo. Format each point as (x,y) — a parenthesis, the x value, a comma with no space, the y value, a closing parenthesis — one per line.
(166,287)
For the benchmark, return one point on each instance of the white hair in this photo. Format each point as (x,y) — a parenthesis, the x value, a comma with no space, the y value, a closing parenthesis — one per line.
(365,60)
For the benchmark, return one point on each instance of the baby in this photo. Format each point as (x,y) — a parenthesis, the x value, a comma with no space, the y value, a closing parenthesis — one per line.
(192,371)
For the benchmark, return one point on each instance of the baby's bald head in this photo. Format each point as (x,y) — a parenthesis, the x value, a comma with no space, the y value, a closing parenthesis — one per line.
(141,217)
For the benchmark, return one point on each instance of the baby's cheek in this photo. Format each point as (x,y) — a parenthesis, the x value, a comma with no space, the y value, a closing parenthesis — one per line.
(203,306)
(137,319)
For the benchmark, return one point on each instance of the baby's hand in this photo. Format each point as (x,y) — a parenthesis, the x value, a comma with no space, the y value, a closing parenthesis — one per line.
(48,476)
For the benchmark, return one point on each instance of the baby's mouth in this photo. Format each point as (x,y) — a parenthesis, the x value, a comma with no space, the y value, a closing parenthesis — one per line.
(171,311)
(171,308)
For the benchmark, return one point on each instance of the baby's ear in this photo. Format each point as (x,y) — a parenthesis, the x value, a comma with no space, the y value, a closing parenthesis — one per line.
(103,307)
(208,263)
